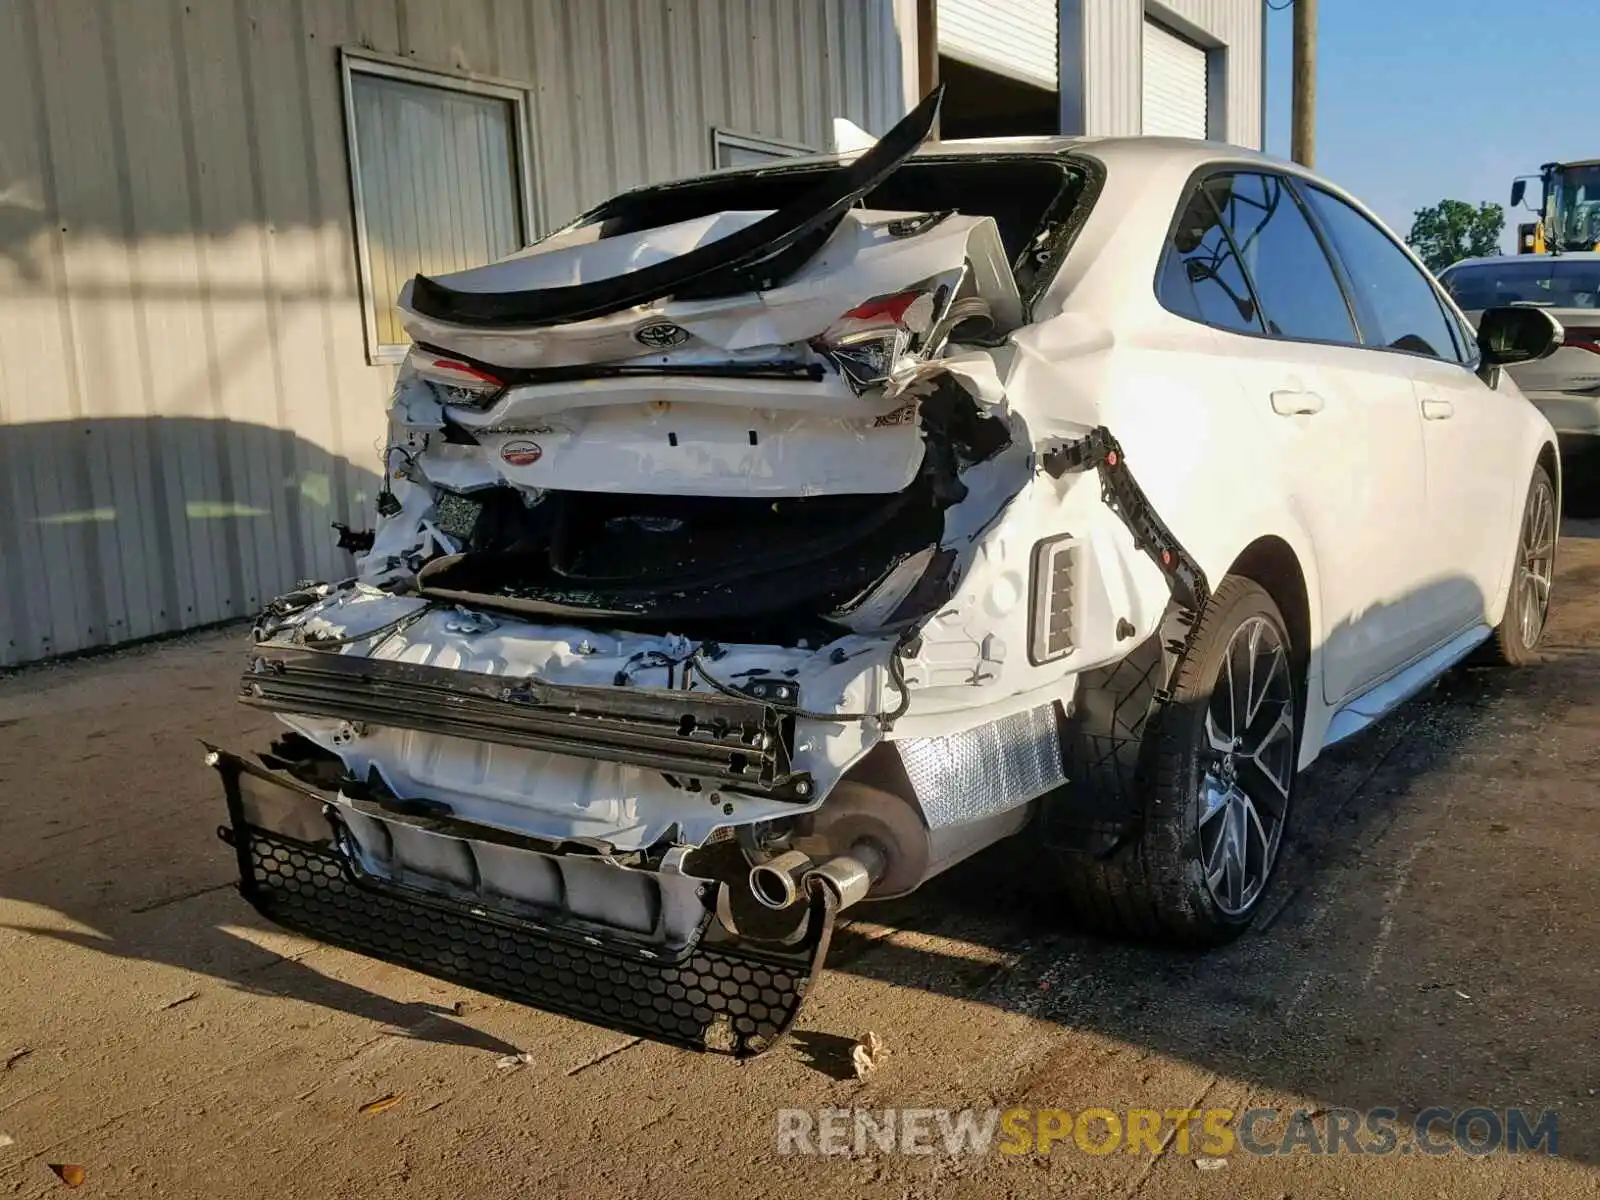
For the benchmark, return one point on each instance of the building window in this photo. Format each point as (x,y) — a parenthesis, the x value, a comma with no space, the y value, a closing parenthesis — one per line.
(729,149)
(439,171)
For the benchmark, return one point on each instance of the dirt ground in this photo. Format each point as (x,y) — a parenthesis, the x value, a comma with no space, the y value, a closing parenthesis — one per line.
(1432,941)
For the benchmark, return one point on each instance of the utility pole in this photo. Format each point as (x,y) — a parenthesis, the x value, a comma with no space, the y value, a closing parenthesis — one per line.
(927,64)
(1303,138)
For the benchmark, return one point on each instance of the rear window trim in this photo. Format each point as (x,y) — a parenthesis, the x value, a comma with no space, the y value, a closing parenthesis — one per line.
(1197,180)
(1204,173)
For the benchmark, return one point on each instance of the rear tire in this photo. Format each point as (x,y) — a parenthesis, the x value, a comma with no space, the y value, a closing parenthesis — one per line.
(1516,638)
(1216,788)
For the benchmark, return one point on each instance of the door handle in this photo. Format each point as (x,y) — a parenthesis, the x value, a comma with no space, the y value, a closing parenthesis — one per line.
(1296,404)
(1434,409)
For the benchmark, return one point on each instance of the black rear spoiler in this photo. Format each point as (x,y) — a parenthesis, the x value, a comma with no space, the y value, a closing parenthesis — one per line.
(755,258)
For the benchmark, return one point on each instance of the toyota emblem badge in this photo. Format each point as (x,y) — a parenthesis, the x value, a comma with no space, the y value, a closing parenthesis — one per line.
(661,335)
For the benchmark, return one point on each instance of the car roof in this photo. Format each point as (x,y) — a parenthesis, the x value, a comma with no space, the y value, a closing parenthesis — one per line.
(1494,260)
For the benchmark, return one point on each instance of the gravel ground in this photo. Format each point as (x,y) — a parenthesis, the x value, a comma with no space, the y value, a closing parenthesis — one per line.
(1432,941)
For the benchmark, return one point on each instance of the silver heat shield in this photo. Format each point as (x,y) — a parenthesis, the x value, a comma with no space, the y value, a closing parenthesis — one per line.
(986,770)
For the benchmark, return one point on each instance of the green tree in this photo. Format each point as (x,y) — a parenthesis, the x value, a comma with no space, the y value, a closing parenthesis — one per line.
(1452,230)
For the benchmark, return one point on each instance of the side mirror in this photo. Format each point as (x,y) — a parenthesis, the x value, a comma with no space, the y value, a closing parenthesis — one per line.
(1519,189)
(1514,334)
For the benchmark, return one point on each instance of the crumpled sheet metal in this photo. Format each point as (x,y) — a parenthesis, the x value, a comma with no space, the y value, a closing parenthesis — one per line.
(862,258)
(985,770)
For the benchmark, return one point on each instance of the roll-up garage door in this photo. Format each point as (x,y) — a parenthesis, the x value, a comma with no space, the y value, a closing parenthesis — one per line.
(1015,38)
(1174,84)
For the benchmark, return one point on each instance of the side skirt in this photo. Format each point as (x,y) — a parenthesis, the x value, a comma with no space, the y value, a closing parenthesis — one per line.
(1383,698)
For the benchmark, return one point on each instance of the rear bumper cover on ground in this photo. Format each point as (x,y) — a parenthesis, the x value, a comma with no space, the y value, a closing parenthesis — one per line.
(720,992)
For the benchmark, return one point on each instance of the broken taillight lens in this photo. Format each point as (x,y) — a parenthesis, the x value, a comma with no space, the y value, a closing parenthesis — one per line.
(868,340)
(456,381)
(891,308)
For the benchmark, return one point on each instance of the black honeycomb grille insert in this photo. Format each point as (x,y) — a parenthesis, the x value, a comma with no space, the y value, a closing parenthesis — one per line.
(727,997)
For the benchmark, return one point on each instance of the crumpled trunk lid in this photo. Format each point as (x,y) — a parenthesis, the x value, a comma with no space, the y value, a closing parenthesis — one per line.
(868,254)
(756,256)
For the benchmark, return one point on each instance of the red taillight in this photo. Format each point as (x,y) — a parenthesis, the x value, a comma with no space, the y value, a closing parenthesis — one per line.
(867,342)
(883,308)
(451,366)
(1583,338)
(455,381)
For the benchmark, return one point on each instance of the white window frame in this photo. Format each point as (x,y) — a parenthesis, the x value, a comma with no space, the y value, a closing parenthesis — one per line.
(734,140)
(358,60)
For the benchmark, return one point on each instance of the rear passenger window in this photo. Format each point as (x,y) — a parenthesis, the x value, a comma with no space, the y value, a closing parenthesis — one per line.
(1398,305)
(1200,275)
(1294,282)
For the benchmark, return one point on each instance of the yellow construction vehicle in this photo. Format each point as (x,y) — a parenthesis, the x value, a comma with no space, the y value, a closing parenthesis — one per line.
(1569,208)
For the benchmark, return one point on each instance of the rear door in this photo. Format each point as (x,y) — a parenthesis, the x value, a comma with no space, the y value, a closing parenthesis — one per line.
(1467,427)
(1342,424)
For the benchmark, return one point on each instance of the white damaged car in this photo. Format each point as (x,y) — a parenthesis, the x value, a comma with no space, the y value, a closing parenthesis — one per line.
(768,542)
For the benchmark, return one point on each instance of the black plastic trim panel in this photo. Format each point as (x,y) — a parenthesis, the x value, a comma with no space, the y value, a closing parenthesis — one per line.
(744,745)
(723,994)
(1121,493)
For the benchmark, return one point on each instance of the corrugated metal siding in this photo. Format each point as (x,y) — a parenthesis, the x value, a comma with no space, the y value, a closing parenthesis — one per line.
(1112,38)
(185,402)
(1013,37)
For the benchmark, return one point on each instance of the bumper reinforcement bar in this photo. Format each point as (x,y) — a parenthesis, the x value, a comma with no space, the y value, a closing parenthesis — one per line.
(743,745)
(723,993)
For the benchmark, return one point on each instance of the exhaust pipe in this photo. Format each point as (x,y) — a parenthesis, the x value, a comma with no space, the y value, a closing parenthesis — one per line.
(776,882)
(780,881)
(845,877)
(849,876)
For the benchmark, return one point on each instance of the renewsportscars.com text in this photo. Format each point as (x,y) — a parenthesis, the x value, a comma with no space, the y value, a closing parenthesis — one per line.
(1212,1132)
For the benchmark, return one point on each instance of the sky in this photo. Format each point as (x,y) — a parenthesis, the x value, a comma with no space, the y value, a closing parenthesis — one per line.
(1424,100)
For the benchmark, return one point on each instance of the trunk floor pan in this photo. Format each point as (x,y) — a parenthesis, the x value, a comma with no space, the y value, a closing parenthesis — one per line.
(723,995)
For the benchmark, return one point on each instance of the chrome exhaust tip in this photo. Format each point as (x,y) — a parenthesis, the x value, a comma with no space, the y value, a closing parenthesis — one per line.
(848,876)
(776,883)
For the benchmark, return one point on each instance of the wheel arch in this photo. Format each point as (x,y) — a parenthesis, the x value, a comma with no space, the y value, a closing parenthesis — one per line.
(1548,457)
(1271,562)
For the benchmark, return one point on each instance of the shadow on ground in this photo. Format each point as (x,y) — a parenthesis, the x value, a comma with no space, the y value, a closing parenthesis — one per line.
(1427,942)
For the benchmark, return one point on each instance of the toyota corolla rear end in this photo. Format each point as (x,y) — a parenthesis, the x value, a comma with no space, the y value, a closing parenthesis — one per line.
(720,581)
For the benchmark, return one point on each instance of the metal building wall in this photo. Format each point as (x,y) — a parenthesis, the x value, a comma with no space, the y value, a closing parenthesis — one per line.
(1109,52)
(185,401)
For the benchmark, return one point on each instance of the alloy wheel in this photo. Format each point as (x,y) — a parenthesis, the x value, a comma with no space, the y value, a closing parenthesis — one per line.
(1536,565)
(1247,765)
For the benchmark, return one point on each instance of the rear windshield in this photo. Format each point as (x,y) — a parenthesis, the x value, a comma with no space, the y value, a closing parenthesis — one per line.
(1030,199)
(1542,280)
